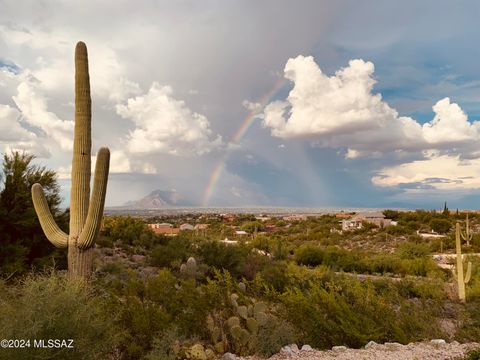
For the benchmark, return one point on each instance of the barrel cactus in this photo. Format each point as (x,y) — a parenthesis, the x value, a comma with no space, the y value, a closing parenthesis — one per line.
(85,212)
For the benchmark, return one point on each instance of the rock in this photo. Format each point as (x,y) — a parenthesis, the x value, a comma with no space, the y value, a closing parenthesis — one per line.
(210,354)
(339,348)
(393,345)
(242,286)
(229,356)
(438,342)
(370,344)
(306,348)
(294,348)
(287,351)
(138,258)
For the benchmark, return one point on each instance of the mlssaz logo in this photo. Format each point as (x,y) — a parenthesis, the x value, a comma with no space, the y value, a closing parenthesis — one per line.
(53,343)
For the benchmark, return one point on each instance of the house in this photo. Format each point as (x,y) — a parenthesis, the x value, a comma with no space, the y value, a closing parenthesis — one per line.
(343,215)
(240,233)
(228,217)
(164,229)
(295,218)
(186,226)
(351,224)
(201,227)
(375,218)
(262,218)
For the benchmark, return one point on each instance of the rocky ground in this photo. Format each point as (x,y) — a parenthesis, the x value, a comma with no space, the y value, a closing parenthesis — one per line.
(436,350)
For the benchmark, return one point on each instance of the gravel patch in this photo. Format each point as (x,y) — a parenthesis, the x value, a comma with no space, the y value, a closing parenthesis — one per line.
(434,350)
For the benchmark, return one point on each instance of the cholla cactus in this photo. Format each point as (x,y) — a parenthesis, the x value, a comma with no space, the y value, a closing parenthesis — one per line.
(85,212)
(467,235)
(458,272)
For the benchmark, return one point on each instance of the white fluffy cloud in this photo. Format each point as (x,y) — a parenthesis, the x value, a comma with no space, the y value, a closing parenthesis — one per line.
(166,125)
(439,172)
(340,111)
(33,106)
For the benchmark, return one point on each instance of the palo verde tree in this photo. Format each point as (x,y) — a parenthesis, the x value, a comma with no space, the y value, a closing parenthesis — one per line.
(85,212)
(21,241)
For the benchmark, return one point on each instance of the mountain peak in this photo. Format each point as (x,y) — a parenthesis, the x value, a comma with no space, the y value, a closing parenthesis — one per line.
(158,199)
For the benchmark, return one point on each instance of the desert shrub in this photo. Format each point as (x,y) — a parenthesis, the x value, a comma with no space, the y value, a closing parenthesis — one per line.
(166,346)
(176,250)
(273,336)
(127,229)
(309,255)
(472,355)
(413,250)
(224,257)
(52,307)
(104,241)
(440,225)
(274,275)
(350,312)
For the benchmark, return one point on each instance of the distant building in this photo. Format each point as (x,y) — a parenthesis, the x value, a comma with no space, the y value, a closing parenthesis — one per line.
(241,233)
(186,226)
(201,226)
(351,224)
(376,218)
(262,218)
(164,229)
(295,218)
(343,215)
(228,217)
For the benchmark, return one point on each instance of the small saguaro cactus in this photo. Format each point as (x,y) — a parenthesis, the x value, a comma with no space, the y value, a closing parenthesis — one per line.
(458,271)
(85,212)
(467,235)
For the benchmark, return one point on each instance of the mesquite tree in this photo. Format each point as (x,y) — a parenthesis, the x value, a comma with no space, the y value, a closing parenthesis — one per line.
(85,212)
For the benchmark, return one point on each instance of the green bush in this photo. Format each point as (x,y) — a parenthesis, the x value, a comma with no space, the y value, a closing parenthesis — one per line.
(53,307)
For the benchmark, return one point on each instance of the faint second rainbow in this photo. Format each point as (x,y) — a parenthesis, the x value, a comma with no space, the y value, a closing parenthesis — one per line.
(237,136)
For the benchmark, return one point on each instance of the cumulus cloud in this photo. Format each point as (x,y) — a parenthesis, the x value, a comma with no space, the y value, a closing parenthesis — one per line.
(166,125)
(437,172)
(341,111)
(33,107)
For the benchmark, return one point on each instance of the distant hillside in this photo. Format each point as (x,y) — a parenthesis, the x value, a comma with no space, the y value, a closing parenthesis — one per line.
(158,199)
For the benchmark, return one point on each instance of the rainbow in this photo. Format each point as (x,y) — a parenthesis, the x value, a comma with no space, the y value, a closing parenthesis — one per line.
(237,136)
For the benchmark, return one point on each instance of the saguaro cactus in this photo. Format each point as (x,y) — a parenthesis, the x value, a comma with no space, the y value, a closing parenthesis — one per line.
(458,271)
(85,212)
(467,235)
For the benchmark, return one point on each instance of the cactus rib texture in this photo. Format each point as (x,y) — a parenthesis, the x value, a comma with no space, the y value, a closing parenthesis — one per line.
(458,272)
(53,233)
(85,212)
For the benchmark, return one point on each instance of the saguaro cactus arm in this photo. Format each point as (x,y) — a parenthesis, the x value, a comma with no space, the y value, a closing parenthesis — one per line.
(95,210)
(53,233)
(468,275)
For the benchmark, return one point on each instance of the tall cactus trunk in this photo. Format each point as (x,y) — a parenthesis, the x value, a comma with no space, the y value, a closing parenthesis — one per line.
(85,212)
(80,260)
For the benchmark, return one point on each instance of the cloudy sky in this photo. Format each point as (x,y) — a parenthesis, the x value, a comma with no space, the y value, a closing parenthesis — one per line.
(298,103)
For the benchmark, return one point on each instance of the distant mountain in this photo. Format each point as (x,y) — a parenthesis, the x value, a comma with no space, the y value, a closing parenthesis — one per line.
(158,199)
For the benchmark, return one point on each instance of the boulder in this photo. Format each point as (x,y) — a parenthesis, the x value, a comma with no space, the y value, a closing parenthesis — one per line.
(229,356)
(306,348)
